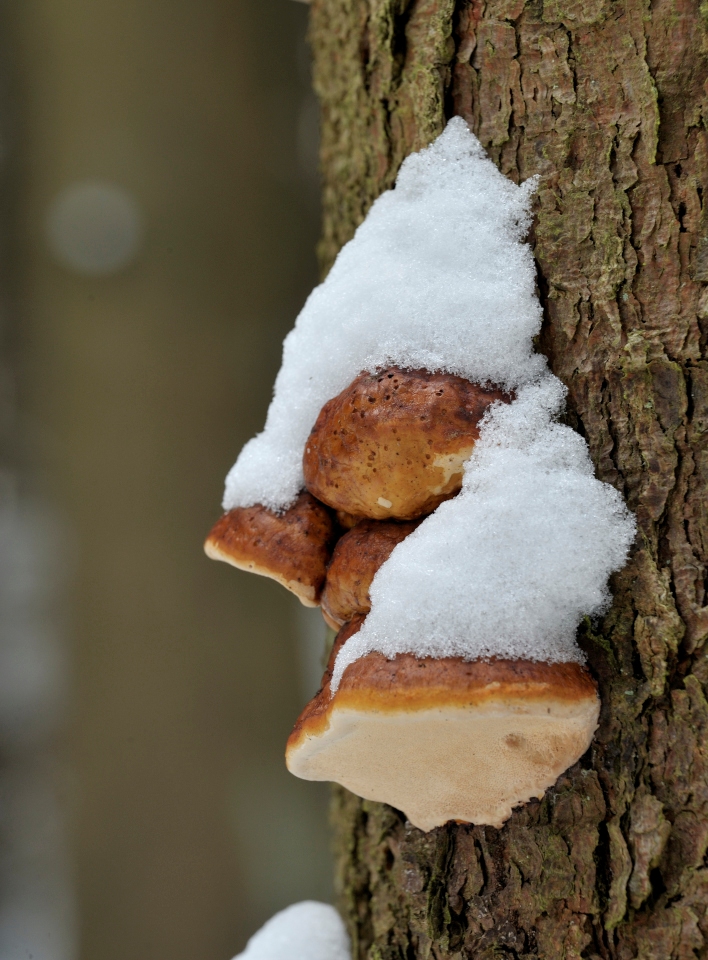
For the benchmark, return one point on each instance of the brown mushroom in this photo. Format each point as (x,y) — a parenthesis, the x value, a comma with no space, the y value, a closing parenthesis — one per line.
(356,558)
(393,444)
(446,739)
(292,548)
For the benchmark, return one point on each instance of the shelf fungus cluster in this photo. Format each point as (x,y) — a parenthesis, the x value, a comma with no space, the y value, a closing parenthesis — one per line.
(414,481)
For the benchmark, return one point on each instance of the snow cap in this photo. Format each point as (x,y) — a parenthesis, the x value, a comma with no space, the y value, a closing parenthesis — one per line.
(436,277)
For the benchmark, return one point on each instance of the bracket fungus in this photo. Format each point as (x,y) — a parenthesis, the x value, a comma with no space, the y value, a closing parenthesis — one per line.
(445,739)
(292,547)
(413,419)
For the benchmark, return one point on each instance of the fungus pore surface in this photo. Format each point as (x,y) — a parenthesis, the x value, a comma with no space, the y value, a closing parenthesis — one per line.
(444,738)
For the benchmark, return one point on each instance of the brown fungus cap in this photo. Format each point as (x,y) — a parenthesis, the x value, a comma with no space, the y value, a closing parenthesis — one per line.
(292,548)
(392,445)
(356,558)
(446,739)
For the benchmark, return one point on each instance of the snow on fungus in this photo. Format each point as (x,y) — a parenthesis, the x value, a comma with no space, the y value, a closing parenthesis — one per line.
(437,277)
(512,564)
(303,931)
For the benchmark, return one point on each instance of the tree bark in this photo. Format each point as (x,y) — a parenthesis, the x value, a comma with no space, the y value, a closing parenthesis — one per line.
(605,101)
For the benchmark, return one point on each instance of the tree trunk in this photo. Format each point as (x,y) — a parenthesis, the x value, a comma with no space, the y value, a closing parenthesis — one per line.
(605,101)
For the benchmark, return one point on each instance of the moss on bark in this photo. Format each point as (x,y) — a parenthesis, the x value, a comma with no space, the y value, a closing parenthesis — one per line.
(604,100)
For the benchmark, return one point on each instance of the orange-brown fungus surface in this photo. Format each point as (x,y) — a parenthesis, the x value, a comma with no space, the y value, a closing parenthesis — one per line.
(292,548)
(393,444)
(356,558)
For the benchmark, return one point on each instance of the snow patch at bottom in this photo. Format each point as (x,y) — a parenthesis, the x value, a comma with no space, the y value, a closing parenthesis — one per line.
(304,931)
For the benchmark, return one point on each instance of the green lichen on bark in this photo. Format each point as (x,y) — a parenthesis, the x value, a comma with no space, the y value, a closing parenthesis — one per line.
(604,100)
(381,70)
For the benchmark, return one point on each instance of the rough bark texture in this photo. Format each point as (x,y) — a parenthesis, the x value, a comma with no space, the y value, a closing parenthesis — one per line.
(605,101)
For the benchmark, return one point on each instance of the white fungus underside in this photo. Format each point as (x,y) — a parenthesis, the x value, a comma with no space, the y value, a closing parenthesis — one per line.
(303,931)
(495,757)
(438,277)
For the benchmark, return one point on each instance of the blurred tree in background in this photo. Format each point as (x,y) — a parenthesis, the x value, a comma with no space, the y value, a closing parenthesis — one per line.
(159,218)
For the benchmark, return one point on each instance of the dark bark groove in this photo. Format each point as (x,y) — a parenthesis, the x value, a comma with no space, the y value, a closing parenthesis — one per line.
(604,100)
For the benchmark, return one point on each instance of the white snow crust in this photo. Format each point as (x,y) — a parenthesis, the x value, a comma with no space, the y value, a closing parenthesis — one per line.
(436,277)
(303,931)
(510,566)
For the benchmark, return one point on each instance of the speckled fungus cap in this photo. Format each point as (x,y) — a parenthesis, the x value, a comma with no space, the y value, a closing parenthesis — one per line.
(392,445)
(292,547)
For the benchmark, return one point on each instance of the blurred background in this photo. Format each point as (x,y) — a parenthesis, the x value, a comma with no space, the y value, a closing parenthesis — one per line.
(158,217)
